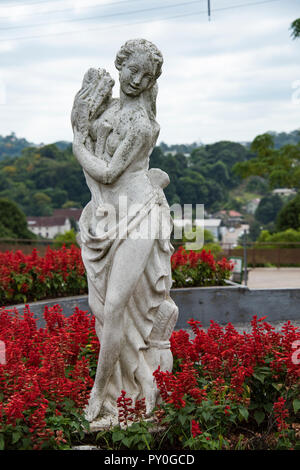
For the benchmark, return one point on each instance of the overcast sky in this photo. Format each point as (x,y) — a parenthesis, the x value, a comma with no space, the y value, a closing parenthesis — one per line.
(232,78)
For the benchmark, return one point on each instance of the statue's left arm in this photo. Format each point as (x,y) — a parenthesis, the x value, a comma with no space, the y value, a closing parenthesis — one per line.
(136,141)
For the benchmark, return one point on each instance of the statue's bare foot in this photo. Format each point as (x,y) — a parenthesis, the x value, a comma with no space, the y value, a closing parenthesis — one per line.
(94,406)
(93,411)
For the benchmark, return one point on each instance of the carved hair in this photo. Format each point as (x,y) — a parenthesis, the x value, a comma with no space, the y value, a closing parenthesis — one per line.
(155,56)
(145,46)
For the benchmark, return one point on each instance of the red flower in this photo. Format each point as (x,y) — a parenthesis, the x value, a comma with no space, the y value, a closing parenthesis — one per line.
(281,413)
(195,429)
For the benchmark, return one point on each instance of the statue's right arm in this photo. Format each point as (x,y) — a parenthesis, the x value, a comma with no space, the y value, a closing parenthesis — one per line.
(94,166)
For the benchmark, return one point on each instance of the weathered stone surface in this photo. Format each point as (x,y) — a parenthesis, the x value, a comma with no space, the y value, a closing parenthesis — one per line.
(125,229)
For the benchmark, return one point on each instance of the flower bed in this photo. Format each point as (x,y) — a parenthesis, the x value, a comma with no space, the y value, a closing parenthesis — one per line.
(27,278)
(199,268)
(227,390)
(46,378)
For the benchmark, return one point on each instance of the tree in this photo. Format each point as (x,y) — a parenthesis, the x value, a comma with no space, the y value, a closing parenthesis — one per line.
(51,151)
(220,171)
(257,185)
(289,215)
(68,239)
(295,27)
(268,208)
(11,146)
(281,167)
(41,179)
(71,205)
(57,197)
(286,236)
(284,138)
(254,230)
(41,204)
(13,223)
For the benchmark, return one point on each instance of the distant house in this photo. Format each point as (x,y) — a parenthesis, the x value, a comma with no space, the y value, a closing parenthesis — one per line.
(235,218)
(71,213)
(284,191)
(230,218)
(50,226)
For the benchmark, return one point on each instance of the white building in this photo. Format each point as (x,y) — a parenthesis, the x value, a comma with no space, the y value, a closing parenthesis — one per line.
(50,226)
(284,191)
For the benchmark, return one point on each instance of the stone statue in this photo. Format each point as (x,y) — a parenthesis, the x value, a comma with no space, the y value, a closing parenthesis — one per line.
(125,229)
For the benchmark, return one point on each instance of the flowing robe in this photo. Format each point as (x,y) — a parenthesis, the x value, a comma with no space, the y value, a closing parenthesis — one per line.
(150,314)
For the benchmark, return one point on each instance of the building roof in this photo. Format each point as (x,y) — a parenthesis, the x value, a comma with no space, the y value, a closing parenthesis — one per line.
(233,213)
(58,218)
(50,221)
(286,191)
(71,213)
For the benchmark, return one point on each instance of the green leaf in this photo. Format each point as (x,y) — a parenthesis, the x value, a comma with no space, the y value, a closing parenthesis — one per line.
(259,416)
(2,442)
(141,446)
(126,441)
(277,386)
(268,407)
(189,408)
(117,436)
(206,415)
(99,435)
(261,374)
(244,412)
(259,377)
(182,419)
(296,405)
(16,436)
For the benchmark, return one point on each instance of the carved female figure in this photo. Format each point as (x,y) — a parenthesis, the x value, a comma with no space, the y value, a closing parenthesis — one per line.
(129,272)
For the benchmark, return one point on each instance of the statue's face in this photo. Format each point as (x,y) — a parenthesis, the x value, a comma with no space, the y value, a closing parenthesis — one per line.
(136,74)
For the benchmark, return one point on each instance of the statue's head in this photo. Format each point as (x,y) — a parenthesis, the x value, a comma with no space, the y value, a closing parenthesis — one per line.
(139,63)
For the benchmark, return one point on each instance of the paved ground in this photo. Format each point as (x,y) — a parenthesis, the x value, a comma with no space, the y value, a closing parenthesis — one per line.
(274,277)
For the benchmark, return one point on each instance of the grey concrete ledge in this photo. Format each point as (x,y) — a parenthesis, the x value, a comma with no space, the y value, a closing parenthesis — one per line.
(234,303)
